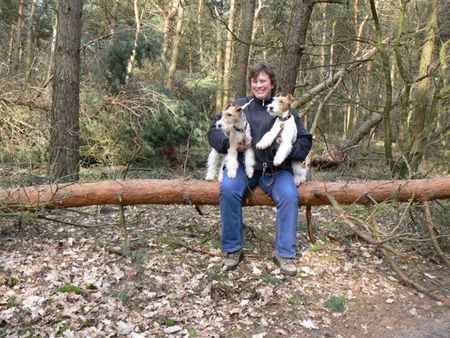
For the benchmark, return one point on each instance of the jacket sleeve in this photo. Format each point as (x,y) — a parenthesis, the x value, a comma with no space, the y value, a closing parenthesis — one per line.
(216,138)
(303,143)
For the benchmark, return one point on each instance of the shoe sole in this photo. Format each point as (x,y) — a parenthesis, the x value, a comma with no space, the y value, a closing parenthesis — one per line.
(286,272)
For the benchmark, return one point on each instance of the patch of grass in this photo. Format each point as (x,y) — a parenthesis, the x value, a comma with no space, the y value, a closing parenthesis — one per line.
(122,295)
(12,302)
(69,288)
(360,211)
(61,319)
(328,225)
(192,332)
(14,281)
(217,273)
(273,280)
(166,321)
(87,323)
(335,304)
(303,227)
(294,301)
(316,247)
(62,329)
(138,256)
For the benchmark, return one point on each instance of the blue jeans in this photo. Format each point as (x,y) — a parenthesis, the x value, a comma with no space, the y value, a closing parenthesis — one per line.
(281,188)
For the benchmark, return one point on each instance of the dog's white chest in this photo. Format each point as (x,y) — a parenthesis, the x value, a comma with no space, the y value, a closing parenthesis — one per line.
(287,129)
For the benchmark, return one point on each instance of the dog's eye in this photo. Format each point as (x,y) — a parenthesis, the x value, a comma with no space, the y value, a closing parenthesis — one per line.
(229,114)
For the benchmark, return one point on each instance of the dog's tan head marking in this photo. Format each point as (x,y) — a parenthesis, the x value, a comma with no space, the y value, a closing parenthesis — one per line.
(231,116)
(280,104)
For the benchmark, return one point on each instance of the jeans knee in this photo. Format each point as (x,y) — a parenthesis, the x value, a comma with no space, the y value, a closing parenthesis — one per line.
(289,196)
(230,190)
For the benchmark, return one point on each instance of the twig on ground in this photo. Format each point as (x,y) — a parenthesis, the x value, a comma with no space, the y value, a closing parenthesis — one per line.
(66,222)
(430,226)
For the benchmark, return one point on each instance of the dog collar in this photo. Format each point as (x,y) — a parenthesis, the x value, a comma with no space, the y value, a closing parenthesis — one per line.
(284,119)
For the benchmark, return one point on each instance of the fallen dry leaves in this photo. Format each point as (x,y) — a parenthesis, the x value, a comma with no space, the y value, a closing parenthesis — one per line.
(170,281)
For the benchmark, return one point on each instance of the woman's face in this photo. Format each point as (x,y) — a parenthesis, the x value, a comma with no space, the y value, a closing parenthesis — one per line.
(262,86)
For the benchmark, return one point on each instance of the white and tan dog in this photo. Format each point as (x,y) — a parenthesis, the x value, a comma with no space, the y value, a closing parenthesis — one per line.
(233,124)
(285,129)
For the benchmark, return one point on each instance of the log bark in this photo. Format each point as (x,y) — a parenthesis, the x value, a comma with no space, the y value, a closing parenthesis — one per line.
(197,192)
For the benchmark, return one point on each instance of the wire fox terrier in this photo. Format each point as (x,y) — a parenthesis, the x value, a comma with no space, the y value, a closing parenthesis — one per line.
(233,124)
(285,129)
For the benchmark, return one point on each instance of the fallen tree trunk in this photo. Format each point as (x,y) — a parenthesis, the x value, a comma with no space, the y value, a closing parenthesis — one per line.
(197,192)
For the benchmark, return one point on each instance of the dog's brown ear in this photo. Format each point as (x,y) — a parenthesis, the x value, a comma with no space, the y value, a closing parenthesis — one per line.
(290,97)
(279,94)
(227,107)
(238,107)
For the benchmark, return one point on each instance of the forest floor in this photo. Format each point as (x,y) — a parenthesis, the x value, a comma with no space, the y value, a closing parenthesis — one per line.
(68,273)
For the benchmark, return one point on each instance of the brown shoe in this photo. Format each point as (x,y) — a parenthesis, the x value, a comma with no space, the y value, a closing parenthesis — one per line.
(232,259)
(287,265)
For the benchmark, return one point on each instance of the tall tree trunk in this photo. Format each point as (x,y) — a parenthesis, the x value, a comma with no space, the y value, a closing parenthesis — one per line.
(291,55)
(421,92)
(51,55)
(387,86)
(255,25)
(219,68)
(29,44)
(17,46)
(132,59)
(323,48)
(228,60)
(331,70)
(243,49)
(200,10)
(403,127)
(175,46)
(11,36)
(440,108)
(64,152)
(167,27)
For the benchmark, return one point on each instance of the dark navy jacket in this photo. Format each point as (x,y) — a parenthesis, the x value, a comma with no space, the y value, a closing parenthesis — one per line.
(260,123)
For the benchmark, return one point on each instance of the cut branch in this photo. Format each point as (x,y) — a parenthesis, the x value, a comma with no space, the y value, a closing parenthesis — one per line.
(197,192)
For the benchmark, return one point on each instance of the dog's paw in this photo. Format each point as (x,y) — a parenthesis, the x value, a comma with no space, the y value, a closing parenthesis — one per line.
(209,177)
(261,145)
(250,173)
(277,162)
(232,174)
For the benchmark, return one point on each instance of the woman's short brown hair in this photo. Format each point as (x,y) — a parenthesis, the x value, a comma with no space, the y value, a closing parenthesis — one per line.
(265,68)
